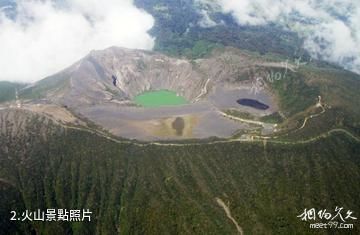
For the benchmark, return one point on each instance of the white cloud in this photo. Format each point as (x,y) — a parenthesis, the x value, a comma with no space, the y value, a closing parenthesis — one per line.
(331,27)
(45,38)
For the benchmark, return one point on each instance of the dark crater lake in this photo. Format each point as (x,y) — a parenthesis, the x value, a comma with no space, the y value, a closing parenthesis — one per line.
(253,103)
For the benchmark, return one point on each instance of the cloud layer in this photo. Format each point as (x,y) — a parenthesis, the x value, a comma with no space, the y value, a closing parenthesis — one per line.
(46,37)
(331,27)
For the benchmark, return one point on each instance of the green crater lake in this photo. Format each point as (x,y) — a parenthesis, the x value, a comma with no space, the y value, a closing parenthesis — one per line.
(152,99)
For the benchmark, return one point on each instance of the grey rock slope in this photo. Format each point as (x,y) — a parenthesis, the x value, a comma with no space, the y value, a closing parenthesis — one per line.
(101,87)
(91,80)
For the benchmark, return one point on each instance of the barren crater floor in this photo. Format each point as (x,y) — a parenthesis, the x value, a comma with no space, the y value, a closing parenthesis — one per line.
(149,96)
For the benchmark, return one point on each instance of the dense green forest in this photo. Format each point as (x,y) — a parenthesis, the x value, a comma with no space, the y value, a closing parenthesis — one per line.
(151,189)
(177,32)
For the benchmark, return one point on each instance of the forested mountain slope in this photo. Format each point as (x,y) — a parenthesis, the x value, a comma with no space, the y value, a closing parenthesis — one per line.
(150,189)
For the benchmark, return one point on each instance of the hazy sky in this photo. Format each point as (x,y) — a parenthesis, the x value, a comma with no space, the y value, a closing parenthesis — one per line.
(46,38)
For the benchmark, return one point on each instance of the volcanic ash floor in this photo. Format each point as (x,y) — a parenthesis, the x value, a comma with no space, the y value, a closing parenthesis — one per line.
(198,120)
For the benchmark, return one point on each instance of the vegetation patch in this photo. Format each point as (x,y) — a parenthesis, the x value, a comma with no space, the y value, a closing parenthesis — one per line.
(272,118)
(294,94)
(8,90)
